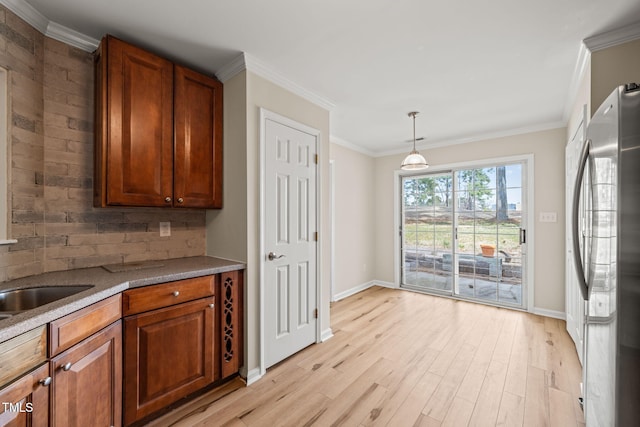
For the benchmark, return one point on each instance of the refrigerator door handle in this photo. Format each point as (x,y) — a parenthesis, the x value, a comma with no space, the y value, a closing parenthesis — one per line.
(584,157)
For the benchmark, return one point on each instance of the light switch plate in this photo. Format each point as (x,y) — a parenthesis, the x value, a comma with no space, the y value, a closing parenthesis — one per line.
(548,217)
(165,229)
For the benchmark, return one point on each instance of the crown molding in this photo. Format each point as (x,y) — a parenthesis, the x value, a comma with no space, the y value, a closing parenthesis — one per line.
(244,61)
(232,69)
(28,13)
(71,37)
(613,38)
(351,146)
(49,28)
(258,67)
(482,137)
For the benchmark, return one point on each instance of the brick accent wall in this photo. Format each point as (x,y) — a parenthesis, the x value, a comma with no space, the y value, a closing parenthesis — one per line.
(51,139)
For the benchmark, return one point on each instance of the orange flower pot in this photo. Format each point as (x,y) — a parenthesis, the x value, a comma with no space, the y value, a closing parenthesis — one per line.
(488,250)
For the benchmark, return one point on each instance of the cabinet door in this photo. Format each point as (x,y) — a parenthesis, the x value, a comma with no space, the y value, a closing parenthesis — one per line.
(87,381)
(198,140)
(25,402)
(230,322)
(168,355)
(138,147)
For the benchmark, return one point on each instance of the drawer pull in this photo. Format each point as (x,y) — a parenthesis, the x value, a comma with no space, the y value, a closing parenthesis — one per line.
(66,366)
(45,381)
(175,293)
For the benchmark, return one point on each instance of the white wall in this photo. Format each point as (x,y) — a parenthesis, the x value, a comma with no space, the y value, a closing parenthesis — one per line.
(548,150)
(227,227)
(355,227)
(234,231)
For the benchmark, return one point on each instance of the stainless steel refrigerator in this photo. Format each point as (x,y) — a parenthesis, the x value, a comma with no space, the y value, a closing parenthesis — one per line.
(610,275)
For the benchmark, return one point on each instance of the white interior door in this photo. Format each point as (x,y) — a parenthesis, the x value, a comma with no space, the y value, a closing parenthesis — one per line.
(574,303)
(290,246)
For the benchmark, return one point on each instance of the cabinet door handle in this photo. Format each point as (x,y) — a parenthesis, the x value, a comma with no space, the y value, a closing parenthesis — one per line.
(180,200)
(212,305)
(66,366)
(45,381)
(175,293)
(167,199)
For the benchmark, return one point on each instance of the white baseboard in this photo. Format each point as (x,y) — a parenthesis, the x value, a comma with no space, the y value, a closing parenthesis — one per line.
(326,334)
(362,287)
(549,313)
(253,375)
(385,284)
(337,297)
(353,291)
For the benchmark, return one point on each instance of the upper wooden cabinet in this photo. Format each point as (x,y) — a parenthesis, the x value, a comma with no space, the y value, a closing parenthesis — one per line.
(158,131)
(197,179)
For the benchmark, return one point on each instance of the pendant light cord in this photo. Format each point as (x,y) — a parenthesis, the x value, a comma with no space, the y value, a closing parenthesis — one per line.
(413,114)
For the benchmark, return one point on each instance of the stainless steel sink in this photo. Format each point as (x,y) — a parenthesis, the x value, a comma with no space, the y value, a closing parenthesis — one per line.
(17,300)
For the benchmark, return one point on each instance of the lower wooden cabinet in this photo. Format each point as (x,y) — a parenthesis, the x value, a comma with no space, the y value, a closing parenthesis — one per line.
(87,381)
(168,354)
(25,402)
(179,337)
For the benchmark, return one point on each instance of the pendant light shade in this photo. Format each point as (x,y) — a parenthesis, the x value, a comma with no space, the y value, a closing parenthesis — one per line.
(415,160)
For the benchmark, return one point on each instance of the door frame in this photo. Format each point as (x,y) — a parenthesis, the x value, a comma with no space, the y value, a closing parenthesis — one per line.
(270,115)
(332,229)
(573,320)
(528,159)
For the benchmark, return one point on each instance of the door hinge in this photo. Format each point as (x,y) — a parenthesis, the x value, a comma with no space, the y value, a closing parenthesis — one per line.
(315,236)
(315,313)
(315,159)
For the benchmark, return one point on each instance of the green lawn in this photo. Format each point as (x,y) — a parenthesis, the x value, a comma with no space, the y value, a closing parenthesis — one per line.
(436,236)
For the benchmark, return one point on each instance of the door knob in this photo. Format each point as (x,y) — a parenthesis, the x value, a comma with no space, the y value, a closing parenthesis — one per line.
(273,255)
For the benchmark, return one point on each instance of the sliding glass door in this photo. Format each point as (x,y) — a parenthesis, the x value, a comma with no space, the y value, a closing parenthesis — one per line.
(427,232)
(463,234)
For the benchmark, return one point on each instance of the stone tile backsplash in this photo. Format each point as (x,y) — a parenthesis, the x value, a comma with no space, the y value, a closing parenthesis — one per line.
(51,142)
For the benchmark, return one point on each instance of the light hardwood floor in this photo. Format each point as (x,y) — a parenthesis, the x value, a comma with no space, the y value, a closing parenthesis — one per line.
(400,358)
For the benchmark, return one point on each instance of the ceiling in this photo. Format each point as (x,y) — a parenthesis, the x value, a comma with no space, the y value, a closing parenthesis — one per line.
(470,68)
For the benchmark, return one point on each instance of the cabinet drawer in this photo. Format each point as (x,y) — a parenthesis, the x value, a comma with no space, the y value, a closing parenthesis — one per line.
(22,353)
(157,296)
(73,328)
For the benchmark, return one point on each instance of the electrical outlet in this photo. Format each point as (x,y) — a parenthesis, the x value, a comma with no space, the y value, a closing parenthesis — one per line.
(165,229)
(548,217)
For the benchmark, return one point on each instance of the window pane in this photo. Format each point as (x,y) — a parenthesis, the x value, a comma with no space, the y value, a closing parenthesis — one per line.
(514,175)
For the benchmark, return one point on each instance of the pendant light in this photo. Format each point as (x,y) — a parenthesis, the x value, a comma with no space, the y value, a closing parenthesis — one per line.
(414,160)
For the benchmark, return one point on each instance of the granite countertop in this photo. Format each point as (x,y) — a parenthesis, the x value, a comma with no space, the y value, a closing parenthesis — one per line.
(104,284)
